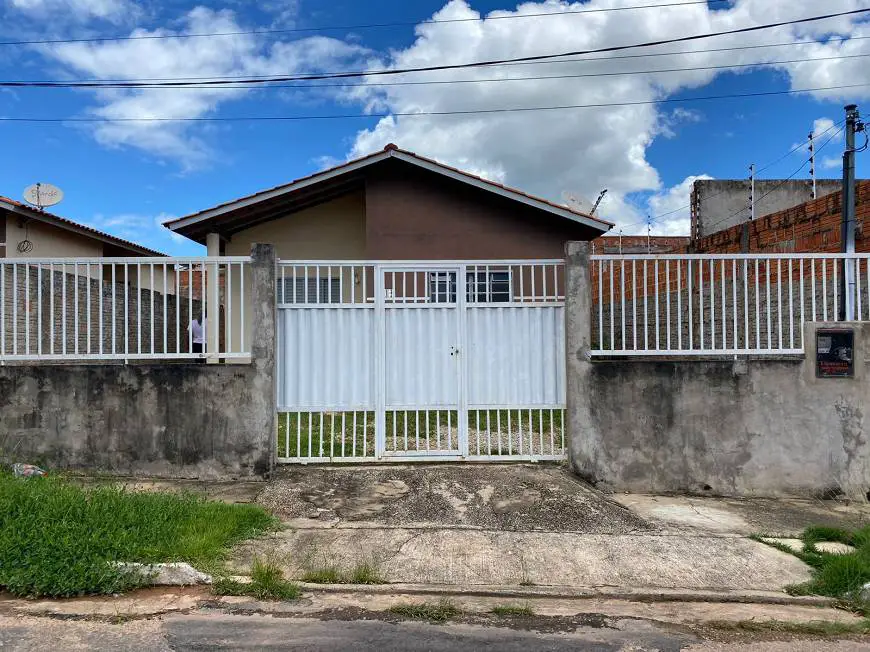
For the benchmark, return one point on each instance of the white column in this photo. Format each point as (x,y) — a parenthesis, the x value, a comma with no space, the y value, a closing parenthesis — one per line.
(212,301)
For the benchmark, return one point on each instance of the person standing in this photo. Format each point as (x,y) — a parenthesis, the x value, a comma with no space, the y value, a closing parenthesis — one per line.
(197,331)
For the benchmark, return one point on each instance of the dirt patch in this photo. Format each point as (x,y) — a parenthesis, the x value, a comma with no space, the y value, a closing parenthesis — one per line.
(518,497)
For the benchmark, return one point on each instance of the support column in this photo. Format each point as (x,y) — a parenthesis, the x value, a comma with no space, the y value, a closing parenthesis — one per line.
(264,328)
(212,300)
(578,343)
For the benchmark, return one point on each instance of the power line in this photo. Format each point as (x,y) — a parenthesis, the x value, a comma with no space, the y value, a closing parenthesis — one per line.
(788,178)
(333,28)
(270,82)
(409,114)
(477,64)
(240,78)
(766,167)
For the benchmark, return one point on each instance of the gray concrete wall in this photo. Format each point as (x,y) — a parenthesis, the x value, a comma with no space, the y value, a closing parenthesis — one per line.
(750,427)
(718,203)
(172,420)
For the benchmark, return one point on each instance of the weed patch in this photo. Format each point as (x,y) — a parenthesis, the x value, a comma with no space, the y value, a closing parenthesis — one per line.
(57,539)
(512,610)
(267,583)
(811,628)
(438,612)
(366,573)
(323,575)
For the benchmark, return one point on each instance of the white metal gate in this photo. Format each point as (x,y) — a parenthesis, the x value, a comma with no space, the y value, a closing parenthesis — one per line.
(420,361)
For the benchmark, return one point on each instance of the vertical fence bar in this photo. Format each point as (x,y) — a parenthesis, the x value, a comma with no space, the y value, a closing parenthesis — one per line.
(701,299)
(600,302)
(166,309)
(114,311)
(63,306)
(813,279)
(689,287)
(746,335)
(622,298)
(825,289)
(242,307)
(734,300)
(857,262)
(612,303)
(656,281)
(867,269)
(634,303)
(27,309)
(712,305)
(724,314)
(803,302)
(668,300)
(3,308)
(835,265)
(38,307)
(151,294)
(679,306)
(76,308)
(190,312)
(757,307)
(228,320)
(767,286)
(779,301)
(645,309)
(790,304)
(139,307)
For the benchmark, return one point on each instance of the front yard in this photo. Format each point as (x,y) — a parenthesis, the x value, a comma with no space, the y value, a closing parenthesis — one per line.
(58,539)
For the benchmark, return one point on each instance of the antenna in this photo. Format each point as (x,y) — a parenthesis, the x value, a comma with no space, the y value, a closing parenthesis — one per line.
(42,195)
(598,201)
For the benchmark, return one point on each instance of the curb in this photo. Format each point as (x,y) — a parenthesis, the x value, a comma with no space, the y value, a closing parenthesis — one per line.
(577,593)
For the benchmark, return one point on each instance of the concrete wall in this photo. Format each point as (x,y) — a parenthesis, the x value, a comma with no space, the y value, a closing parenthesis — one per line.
(719,204)
(175,420)
(762,427)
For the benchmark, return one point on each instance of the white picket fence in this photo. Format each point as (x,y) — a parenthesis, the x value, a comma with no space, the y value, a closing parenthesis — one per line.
(75,309)
(420,360)
(722,304)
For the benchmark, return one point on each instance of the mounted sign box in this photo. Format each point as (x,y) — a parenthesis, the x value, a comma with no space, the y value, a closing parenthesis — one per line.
(835,353)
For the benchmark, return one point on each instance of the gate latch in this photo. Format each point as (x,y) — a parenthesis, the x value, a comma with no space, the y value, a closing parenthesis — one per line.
(454,350)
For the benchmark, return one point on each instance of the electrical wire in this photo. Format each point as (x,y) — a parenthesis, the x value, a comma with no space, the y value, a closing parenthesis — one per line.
(476,64)
(333,28)
(516,63)
(409,114)
(266,83)
(794,149)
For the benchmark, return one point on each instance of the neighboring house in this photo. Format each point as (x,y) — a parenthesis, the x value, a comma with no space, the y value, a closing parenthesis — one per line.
(27,232)
(392,205)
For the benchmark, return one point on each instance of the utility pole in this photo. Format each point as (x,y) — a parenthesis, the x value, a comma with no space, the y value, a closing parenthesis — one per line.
(752,192)
(847,224)
(620,242)
(813,162)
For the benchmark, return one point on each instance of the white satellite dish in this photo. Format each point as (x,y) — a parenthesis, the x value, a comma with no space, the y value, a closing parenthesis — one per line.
(42,195)
(576,201)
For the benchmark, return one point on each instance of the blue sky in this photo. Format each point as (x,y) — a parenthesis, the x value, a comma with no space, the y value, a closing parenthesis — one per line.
(126,178)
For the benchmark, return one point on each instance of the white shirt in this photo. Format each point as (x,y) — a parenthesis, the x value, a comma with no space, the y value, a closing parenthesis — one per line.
(197,330)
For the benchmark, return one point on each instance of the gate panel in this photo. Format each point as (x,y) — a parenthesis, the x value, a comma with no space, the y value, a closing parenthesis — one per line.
(422,364)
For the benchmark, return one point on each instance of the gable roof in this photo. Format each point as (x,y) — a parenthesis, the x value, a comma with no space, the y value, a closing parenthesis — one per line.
(68,225)
(188,223)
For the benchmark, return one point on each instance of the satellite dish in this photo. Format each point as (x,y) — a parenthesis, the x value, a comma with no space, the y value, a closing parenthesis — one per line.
(576,201)
(42,195)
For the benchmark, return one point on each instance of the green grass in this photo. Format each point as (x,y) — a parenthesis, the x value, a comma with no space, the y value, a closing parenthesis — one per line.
(438,612)
(267,583)
(513,610)
(363,573)
(836,576)
(810,628)
(331,434)
(56,538)
(323,575)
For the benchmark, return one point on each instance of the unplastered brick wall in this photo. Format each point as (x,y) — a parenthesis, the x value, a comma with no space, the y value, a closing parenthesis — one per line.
(49,312)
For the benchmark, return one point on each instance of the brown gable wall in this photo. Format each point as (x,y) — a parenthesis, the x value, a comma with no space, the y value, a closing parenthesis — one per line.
(412,215)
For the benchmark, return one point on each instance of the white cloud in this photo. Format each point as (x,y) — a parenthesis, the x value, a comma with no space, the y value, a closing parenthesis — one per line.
(583,150)
(112,10)
(672,205)
(143,229)
(225,56)
(832,163)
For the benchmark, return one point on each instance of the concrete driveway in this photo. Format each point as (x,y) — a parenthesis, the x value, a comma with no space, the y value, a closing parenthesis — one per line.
(506,526)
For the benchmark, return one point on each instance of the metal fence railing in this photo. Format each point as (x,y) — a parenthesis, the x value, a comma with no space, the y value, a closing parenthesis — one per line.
(58,309)
(721,304)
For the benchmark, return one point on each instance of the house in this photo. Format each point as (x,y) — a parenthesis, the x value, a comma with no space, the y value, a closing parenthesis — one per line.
(391,205)
(27,232)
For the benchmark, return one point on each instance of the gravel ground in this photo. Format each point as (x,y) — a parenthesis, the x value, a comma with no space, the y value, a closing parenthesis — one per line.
(518,497)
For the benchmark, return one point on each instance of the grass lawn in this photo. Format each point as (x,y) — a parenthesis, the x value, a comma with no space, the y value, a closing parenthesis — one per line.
(56,538)
(837,576)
